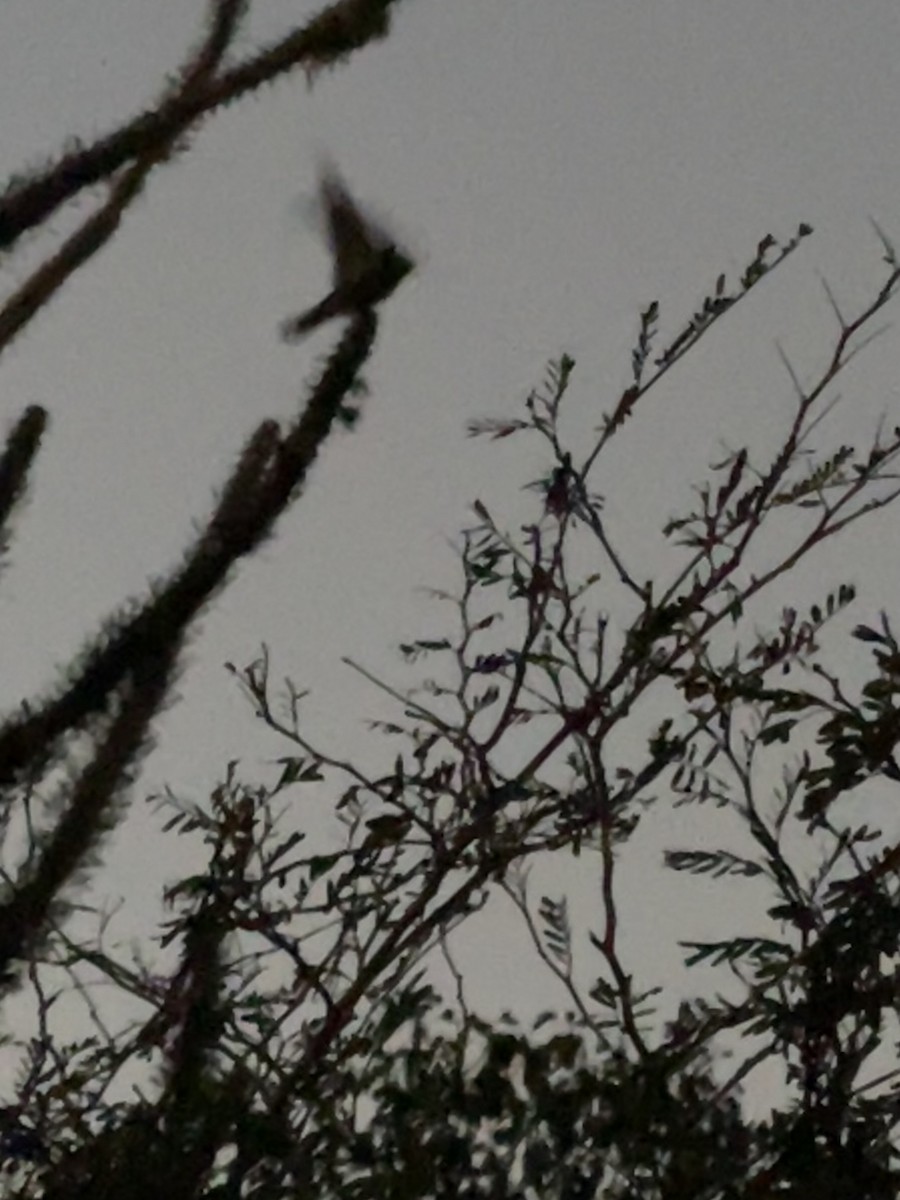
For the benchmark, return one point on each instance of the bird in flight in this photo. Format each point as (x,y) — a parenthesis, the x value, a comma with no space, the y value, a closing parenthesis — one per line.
(368,264)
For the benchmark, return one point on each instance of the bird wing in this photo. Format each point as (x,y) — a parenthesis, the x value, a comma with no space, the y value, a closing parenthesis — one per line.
(354,239)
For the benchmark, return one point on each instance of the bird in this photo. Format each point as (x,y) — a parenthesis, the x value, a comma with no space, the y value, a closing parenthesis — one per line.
(368,263)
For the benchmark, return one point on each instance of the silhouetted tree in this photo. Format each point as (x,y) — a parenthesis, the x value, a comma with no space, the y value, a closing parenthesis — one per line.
(298,1046)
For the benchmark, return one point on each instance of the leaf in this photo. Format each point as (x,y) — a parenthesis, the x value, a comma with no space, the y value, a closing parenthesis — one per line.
(387,830)
(779,732)
(557,930)
(864,633)
(494,427)
(716,953)
(604,993)
(297,770)
(712,862)
(412,651)
(486,622)
(320,864)
(488,697)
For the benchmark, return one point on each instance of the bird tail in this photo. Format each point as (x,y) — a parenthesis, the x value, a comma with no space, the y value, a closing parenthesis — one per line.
(295,328)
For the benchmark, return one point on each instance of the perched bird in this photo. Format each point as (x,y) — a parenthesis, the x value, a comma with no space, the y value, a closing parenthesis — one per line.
(558,493)
(368,265)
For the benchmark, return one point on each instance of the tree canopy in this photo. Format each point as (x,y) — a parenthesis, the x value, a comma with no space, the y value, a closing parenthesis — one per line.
(290,1037)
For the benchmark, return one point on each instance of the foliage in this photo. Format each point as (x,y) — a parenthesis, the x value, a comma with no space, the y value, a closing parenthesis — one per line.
(289,1036)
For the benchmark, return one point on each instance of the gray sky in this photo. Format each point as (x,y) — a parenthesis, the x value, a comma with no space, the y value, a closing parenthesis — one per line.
(556,165)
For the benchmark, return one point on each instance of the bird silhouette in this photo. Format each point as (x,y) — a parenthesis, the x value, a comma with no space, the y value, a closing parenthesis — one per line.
(368,264)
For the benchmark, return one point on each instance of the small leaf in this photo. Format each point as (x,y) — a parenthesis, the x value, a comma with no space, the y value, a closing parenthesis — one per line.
(865,634)
(320,864)
(779,732)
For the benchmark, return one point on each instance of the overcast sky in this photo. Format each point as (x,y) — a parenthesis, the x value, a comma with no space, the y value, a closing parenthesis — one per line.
(556,165)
